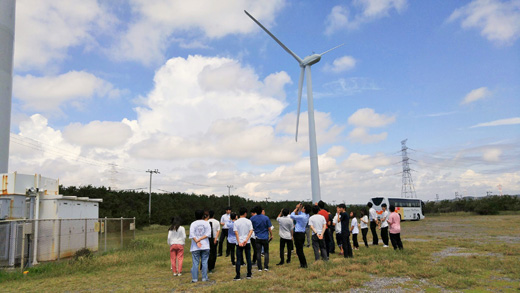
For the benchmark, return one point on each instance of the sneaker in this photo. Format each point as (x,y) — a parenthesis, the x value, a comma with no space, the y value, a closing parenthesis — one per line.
(288,261)
(236,278)
(249,277)
(174,274)
(385,245)
(193,281)
(259,270)
(280,264)
(220,254)
(210,272)
(266,269)
(179,274)
(233,264)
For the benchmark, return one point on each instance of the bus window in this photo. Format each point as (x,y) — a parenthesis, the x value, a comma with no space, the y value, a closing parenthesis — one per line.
(377,200)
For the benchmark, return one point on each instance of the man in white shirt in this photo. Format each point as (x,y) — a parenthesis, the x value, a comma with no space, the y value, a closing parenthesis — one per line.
(337,228)
(224,234)
(243,229)
(200,231)
(318,225)
(213,241)
(372,217)
(384,225)
(286,234)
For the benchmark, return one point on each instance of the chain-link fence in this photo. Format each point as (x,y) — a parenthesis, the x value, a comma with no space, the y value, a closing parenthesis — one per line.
(27,242)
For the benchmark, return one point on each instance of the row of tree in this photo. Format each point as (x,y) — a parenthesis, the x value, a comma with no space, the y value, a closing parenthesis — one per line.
(167,205)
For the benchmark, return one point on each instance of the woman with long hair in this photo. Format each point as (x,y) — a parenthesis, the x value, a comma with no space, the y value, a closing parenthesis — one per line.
(176,240)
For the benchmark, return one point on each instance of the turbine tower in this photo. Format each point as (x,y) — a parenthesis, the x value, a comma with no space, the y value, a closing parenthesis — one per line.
(305,65)
(7,14)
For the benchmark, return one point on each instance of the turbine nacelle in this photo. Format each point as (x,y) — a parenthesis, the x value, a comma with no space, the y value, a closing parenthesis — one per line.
(310,60)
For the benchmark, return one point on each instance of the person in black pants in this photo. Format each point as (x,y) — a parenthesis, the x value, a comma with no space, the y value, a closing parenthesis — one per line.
(302,218)
(372,217)
(213,241)
(224,233)
(363,220)
(345,231)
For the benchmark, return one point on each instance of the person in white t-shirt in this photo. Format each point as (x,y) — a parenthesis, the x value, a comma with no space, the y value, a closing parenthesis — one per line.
(363,224)
(200,231)
(224,233)
(337,228)
(176,240)
(243,230)
(384,225)
(372,217)
(354,230)
(286,234)
(318,224)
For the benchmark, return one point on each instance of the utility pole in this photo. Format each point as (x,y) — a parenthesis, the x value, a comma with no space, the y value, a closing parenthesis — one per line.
(229,194)
(150,195)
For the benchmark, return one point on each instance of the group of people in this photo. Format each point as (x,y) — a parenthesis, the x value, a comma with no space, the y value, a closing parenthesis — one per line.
(248,238)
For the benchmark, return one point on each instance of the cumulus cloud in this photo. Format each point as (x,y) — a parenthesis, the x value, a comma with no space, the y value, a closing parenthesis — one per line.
(46,30)
(158,22)
(341,64)
(367,118)
(106,134)
(50,92)
(498,21)
(363,11)
(475,95)
(500,122)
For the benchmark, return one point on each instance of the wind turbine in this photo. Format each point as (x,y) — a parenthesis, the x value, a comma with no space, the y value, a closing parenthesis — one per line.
(305,65)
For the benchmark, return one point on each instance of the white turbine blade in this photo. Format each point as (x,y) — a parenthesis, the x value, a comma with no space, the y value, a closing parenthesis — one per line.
(278,41)
(300,85)
(331,50)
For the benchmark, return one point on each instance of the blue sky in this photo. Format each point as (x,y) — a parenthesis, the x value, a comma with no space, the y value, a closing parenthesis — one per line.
(104,91)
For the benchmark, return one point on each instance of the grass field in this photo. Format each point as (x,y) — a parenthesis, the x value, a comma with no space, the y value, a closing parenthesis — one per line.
(452,252)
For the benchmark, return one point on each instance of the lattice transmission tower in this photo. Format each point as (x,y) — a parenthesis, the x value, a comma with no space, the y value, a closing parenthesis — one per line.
(407,189)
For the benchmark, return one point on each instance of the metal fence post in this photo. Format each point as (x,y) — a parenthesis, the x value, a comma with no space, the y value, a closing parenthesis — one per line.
(106,229)
(134,228)
(59,239)
(121,232)
(23,246)
(85,233)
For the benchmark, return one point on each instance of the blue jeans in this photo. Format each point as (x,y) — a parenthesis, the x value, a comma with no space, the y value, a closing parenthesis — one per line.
(196,257)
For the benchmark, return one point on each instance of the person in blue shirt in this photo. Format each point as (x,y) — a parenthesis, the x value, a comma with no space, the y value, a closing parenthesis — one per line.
(262,227)
(231,238)
(301,216)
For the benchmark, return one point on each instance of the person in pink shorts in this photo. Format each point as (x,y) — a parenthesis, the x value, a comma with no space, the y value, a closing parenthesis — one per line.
(176,240)
(394,220)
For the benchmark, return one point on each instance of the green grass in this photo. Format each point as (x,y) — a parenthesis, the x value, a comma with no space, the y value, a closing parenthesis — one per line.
(488,258)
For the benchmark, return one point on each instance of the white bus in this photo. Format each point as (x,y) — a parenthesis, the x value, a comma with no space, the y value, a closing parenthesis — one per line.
(409,209)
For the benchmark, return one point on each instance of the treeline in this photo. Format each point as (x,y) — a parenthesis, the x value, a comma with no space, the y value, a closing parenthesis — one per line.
(165,205)
(489,205)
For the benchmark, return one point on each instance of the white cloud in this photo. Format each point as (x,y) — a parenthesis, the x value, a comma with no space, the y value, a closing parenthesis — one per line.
(498,21)
(104,134)
(476,94)
(341,64)
(45,30)
(380,8)
(360,134)
(50,92)
(364,11)
(500,122)
(492,155)
(157,22)
(367,117)
(337,19)
(191,94)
